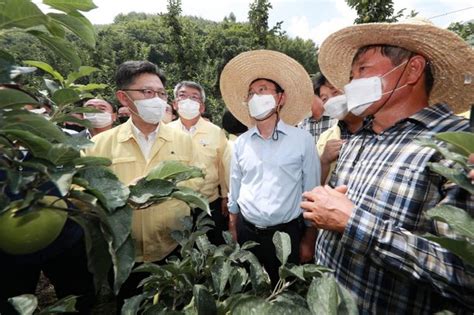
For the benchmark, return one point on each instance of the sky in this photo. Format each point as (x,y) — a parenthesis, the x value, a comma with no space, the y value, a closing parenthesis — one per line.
(307,19)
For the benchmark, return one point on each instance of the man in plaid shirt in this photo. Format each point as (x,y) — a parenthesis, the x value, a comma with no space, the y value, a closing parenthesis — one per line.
(372,223)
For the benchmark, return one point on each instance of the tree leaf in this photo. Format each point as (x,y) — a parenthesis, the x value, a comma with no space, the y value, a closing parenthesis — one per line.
(24,304)
(462,141)
(120,223)
(65,96)
(62,179)
(132,305)
(462,248)
(203,300)
(11,98)
(36,124)
(69,6)
(92,161)
(46,68)
(285,308)
(347,303)
(258,276)
(7,64)
(89,87)
(59,46)
(458,219)
(64,305)
(194,199)
(220,272)
(38,146)
(292,298)
(104,184)
(251,306)
(455,175)
(293,271)
(98,258)
(51,85)
(322,295)
(20,13)
(145,190)
(445,152)
(282,243)
(77,24)
(61,154)
(170,170)
(123,260)
(82,72)
(238,279)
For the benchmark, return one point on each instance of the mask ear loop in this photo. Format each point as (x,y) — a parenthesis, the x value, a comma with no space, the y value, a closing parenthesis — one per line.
(275,132)
(370,119)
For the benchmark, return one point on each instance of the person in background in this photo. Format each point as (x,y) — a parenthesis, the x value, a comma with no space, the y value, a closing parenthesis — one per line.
(331,141)
(210,150)
(400,77)
(317,123)
(273,162)
(100,122)
(123,114)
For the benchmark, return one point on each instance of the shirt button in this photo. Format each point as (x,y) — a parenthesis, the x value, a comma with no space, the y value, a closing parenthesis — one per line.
(380,137)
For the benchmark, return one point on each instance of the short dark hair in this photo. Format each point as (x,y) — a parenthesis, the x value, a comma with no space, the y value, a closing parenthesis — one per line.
(318,81)
(278,88)
(129,70)
(232,125)
(397,55)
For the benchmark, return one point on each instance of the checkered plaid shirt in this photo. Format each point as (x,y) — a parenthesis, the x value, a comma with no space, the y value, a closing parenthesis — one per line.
(317,127)
(382,257)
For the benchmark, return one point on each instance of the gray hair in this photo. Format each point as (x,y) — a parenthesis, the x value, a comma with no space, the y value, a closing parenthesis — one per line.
(190,84)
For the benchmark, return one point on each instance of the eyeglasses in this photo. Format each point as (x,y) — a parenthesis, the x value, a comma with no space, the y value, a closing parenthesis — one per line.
(261,90)
(149,93)
(195,98)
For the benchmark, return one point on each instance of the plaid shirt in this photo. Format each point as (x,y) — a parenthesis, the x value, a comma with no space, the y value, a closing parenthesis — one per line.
(381,257)
(317,127)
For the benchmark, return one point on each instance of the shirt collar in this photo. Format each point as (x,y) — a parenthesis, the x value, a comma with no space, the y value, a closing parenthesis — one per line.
(198,127)
(431,116)
(281,127)
(128,129)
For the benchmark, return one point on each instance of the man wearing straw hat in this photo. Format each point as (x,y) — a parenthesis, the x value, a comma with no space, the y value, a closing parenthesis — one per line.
(406,79)
(273,162)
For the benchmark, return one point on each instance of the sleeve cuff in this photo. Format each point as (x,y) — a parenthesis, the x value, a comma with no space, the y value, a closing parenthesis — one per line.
(233,207)
(362,231)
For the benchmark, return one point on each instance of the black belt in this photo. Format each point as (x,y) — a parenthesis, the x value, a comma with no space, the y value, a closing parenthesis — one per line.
(273,227)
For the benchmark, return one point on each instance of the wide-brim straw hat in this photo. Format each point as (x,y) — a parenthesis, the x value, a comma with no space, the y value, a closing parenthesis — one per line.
(266,64)
(451,58)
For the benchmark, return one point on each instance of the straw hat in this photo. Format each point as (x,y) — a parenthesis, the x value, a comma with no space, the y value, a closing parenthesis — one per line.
(266,64)
(451,57)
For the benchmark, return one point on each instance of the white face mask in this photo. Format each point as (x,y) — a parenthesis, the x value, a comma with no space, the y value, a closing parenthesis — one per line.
(151,110)
(99,120)
(40,111)
(364,92)
(261,105)
(188,109)
(336,107)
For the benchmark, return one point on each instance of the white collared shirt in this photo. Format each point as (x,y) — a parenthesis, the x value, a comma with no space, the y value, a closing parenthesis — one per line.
(190,131)
(145,142)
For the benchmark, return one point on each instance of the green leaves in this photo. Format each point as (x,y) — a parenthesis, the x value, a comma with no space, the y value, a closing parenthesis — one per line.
(46,68)
(77,24)
(462,224)
(70,6)
(11,98)
(203,300)
(171,170)
(462,142)
(20,13)
(282,246)
(326,297)
(103,184)
(194,199)
(149,190)
(24,304)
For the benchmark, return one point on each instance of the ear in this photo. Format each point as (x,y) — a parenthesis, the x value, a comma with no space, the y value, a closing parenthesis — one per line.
(415,69)
(122,98)
(202,107)
(175,105)
(114,117)
(283,98)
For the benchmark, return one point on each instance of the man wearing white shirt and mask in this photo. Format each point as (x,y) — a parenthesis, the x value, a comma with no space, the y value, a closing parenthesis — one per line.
(210,144)
(100,122)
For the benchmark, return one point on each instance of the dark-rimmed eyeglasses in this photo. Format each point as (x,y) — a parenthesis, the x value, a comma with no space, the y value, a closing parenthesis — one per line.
(149,93)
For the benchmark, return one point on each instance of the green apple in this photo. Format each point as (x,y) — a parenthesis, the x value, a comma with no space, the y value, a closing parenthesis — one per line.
(33,231)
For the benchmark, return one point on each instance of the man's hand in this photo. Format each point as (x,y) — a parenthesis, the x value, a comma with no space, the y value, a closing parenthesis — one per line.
(327,208)
(307,245)
(224,208)
(233,218)
(331,151)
